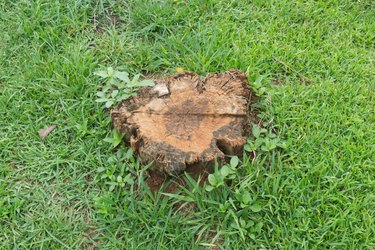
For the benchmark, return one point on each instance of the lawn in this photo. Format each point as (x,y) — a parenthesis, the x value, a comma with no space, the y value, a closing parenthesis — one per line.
(316,59)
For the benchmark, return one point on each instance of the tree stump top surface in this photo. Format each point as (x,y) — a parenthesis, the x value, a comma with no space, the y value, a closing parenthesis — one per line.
(186,119)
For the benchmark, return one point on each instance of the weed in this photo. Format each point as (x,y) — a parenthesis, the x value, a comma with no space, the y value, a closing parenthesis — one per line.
(118,86)
(119,170)
(264,140)
(115,139)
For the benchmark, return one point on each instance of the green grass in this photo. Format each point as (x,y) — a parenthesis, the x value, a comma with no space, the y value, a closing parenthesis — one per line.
(319,193)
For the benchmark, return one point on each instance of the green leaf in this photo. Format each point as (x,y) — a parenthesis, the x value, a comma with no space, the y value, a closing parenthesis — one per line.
(256,131)
(108,139)
(100,94)
(112,82)
(105,88)
(119,84)
(117,138)
(100,169)
(261,91)
(119,178)
(129,154)
(110,71)
(234,225)
(108,104)
(256,208)
(101,73)
(258,227)
(272,135)
(123,97)
(130,181)
(258,142)
(248,148)
(242,223)
(212,180)
(102,100)
(225,171)
(114,93)
(234,161)
(250,223)
(282,144)
(209,188)
(259,80)
(271,144)
(246,197)
(135,80)
(123,76)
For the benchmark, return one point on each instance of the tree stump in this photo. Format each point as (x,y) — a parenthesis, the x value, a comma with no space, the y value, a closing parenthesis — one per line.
(186,120)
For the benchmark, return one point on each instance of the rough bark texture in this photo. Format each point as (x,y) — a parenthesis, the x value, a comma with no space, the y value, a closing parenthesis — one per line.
(186,120)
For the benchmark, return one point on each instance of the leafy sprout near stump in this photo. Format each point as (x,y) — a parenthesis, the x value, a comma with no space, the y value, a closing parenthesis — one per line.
(118,86)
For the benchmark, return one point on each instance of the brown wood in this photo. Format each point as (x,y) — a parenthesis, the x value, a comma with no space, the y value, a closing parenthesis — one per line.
(186,120)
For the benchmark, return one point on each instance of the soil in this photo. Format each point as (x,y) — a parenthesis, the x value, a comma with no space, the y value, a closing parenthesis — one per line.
(185,123)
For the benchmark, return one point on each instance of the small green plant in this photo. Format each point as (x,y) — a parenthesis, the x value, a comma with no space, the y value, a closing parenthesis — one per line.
(118,86)
(115,138)
(119,169)
(225,173)
(239,206)
(105,205)
(258,87)
(243,209)
(229,172)
(263,140)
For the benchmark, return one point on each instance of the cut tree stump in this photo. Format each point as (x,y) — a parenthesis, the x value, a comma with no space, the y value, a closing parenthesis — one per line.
(186,120)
